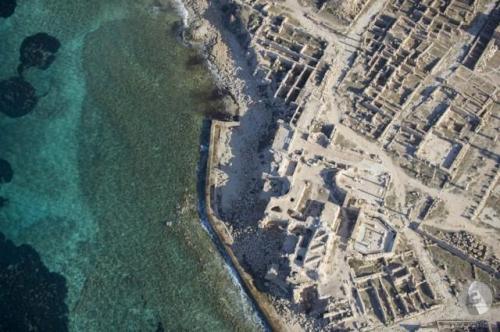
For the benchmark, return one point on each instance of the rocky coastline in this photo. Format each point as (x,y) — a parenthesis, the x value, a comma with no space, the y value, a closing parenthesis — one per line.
(206,29)
(226,58)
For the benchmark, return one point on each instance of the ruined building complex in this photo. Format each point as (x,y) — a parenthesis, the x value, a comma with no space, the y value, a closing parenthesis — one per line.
(384,160)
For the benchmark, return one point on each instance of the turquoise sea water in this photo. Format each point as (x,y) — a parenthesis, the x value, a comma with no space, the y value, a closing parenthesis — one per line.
(105,160)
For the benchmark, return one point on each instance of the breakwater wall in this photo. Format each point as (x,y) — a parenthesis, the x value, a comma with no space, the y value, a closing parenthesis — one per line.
(222,236)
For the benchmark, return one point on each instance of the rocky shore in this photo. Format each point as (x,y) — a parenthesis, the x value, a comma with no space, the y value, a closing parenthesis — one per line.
(241,146)
(223,50)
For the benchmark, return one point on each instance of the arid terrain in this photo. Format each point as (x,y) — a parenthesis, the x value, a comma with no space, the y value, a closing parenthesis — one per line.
(354,178)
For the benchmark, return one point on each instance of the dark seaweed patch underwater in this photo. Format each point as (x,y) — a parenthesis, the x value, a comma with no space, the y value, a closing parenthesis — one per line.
(6,172)
(17,97)
(39,51)
(7,8)
(31,297)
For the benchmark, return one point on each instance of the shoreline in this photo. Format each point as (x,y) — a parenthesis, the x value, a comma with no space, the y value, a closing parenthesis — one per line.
(208,40)
(210,225)
(223,240)
(203,31)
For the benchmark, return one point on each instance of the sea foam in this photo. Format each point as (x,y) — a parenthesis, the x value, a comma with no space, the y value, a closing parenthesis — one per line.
(182,11)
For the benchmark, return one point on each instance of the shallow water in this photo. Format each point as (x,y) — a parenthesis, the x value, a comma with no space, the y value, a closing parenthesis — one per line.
(105,159)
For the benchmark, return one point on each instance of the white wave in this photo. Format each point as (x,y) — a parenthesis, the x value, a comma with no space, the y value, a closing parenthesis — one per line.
(182,11)
(255,316)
